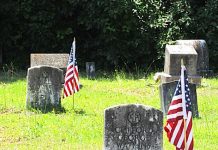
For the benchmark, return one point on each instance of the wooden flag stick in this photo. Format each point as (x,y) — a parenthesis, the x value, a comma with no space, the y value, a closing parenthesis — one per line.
(185,134)
(182,62)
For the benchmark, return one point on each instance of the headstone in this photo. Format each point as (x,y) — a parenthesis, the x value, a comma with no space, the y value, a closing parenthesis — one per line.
(172,66)
(90,70)
(59,60)
(166,94)
(133,127)
(203,57)
(173,56)
(44,88)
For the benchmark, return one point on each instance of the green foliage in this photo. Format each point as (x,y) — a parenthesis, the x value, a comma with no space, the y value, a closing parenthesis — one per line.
(207,28)
(114,34)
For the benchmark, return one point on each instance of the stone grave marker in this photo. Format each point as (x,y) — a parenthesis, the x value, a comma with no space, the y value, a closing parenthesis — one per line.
(172,66)
(173,56)
(201,48)
(166,94)
(44,88)
(133,127)
(58,60)
(90,70)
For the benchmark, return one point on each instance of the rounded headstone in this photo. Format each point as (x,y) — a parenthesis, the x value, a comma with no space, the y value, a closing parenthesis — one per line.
(44,88)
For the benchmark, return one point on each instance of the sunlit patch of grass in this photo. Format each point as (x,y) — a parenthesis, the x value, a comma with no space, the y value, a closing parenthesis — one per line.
(81,126)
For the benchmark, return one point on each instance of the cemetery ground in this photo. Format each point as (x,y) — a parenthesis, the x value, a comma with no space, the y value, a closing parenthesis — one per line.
(82,127)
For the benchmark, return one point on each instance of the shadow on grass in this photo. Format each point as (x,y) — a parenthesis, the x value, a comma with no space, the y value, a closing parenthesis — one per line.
(80,112)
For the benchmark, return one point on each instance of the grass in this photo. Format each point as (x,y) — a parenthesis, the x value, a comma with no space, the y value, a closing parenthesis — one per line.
(83,129)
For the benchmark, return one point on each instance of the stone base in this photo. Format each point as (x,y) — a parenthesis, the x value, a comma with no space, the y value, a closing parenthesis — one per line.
(192,79)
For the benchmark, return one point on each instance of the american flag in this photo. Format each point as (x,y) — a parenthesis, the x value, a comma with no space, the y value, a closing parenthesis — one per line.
(179,116)
(71,84)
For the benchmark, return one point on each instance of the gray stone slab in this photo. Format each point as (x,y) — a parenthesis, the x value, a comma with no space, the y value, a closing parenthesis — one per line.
(173,56)
(167,91)
(192,79)
(59,60)
(90,70)
(203,56)
(44,88)
(133,127)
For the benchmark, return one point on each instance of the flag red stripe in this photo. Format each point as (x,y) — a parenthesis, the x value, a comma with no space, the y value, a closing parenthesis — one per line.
(174,119)
(174,102)
(175,111)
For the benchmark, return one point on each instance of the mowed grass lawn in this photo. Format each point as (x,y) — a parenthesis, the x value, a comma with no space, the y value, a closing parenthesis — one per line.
(83,128)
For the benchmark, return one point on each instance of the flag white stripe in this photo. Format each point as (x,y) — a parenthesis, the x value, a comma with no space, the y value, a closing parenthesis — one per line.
(169,127)
(189,140)
(190,136)
(176,131)
(177,97)
(181,139)
(70,86)
(66,89)
(76,79)
(172,107)
(69,77)
(69,71)
(175,115)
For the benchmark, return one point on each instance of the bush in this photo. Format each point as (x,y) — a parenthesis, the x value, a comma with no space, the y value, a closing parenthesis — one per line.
(114,34)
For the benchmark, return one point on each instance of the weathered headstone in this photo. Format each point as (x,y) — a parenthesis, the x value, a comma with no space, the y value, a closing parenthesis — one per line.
(172,66)
(166,94)
(203,57)
(173,56)
(90,70)
(133,127)
(58,60)
(44,88)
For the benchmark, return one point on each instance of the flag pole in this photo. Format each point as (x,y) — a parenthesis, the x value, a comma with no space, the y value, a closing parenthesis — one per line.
(74,51)
(182,64)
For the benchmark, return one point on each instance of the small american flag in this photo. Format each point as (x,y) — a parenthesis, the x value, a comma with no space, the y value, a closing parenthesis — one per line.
(71,84)
(179,116)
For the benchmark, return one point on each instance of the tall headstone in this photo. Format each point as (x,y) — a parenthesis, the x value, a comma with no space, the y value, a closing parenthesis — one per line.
(90,70)
(173,56)
(167,91)
(58,60)
(172,66)
(133,127)
(44,88)
(203,56)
